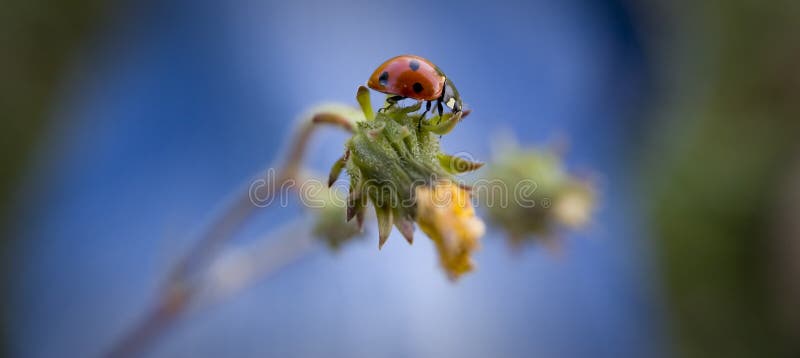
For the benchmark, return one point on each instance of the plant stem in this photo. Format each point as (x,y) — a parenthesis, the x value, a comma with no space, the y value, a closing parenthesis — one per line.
(185,280)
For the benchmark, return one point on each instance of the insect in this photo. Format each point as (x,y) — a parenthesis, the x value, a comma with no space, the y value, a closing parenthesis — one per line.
(410,76)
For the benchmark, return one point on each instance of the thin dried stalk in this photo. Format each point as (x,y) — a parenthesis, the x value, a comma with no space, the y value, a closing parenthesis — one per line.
(184,282)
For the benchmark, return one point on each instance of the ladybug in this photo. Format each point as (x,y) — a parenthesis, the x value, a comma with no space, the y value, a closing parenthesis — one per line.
(410,76)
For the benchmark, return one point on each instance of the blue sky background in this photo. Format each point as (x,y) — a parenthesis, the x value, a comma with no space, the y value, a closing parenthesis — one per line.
(177,103)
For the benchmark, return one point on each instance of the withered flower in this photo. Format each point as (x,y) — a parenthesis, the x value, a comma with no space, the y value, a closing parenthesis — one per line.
(445,214)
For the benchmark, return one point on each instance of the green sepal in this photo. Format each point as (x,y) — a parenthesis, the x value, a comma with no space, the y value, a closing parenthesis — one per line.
(456,165)
(364,100)
(384,215)
(406,227)
(412,108)
(337,167)
(444,124)
(355,205)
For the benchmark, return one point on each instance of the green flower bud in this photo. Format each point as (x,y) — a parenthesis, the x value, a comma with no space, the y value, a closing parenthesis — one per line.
(543,196)
(394,162)
(329,224)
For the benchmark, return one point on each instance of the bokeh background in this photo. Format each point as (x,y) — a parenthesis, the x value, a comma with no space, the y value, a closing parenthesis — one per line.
(127,124)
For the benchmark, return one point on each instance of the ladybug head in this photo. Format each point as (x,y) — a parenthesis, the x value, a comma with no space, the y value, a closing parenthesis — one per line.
(450,97)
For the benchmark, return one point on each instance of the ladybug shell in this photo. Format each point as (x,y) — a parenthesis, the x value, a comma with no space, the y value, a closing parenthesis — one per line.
(408,76)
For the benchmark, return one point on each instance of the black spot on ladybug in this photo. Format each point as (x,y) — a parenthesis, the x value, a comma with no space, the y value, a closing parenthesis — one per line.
(417,87)
(414,64)
(384,78)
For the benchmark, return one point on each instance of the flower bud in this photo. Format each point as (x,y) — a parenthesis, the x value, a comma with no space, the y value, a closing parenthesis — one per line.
(543,195)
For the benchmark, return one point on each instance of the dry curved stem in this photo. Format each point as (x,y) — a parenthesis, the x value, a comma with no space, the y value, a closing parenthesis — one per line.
(226,276)
(242,208)
(182,284)
(238,270)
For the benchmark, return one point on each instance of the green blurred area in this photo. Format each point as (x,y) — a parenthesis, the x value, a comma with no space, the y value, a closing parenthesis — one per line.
(38,40)
(717,174)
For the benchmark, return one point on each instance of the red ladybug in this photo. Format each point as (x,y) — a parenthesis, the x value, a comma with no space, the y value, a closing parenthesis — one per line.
(409,76)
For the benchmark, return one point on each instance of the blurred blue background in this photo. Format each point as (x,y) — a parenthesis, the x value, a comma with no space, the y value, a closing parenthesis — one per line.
(170,106)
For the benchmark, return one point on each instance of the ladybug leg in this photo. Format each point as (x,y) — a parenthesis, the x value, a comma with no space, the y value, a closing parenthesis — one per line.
(440,109)
(427,108)
(391,100)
